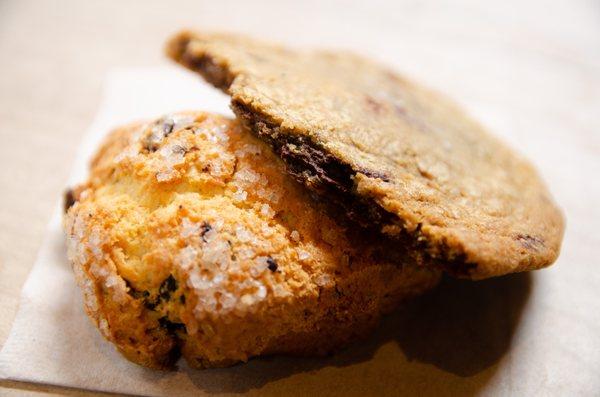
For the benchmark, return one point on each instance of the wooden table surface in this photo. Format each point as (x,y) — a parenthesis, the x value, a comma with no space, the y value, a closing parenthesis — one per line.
(55,55)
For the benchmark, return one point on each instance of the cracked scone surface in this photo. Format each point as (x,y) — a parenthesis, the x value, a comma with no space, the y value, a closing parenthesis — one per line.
(394,153)
(189,238)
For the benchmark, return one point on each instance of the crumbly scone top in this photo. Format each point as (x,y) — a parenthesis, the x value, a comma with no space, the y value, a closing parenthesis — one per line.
(189,223)
(185,190)
(416,165)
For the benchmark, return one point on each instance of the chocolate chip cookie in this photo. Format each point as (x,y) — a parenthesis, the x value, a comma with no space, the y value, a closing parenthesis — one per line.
(395,155)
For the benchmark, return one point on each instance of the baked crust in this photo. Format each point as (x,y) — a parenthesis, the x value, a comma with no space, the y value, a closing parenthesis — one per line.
(190,239)
(393,153)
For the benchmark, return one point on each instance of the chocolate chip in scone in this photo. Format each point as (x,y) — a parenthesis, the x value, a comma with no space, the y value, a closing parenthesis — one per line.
(271,264)
(167,287)
(138,294)
(167,126)
(150,304)
(170,326)
(135,293)
(213,73)
(205,228)
(160,130)
(69,199)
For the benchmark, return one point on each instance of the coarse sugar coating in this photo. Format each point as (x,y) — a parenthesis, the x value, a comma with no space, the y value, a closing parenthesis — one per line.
(189,238)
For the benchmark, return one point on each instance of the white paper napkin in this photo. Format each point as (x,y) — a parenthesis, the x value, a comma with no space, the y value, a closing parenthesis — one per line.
(521,335)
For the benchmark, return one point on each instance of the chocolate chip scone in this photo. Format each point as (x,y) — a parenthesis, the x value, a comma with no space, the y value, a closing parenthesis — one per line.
(391,152)
(190,238)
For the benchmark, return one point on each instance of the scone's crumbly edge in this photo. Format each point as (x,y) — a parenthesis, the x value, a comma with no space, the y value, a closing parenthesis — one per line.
(189,238)
(391,152)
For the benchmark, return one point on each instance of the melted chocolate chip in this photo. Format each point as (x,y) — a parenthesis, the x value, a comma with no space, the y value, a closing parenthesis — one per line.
(211,71)
(328,175)
(271,264)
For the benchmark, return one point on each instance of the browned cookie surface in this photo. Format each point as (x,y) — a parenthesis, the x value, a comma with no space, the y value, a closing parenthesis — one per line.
(392,153)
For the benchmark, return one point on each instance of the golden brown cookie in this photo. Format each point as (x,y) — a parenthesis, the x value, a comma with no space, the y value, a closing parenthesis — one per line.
(190,238)
(391,152)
